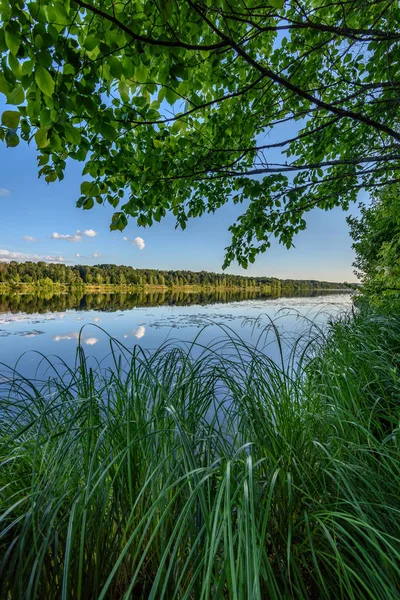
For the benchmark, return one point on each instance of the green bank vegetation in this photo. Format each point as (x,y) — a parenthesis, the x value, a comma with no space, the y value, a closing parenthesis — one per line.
(31,276)
(376,237)
(208,472)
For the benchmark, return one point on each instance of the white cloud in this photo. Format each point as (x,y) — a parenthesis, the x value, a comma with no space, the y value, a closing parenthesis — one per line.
(77,237)
(29,238)
(8,255)
(78,255)
(138,241)
(91,341)
(66,237)
(4,192)
(97,254)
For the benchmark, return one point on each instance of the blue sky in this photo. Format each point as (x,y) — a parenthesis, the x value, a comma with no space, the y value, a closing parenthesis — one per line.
(40,221)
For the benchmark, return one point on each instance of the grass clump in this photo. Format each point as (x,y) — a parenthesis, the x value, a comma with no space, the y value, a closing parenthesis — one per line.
(214,473)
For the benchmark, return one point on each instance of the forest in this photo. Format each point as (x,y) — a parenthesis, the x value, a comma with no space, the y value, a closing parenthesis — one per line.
(43,274)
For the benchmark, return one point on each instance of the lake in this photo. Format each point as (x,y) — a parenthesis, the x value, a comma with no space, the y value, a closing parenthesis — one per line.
(46,325)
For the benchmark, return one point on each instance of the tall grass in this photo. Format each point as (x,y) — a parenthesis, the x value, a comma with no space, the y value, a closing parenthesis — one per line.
(213,473)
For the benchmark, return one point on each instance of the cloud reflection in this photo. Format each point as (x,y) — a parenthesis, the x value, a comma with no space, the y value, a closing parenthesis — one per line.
(89,341)
(68,336)
(139,332)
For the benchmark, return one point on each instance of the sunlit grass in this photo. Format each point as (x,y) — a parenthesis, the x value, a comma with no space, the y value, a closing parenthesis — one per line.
(204,473)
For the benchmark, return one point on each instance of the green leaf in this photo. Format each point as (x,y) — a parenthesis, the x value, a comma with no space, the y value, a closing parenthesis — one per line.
(88,204)
(4,85)
(115,67)
(16,96)
(277,3)
(25,129)
(43,160)
(62,17)
(44,81)
(15,66)
(10,119)
(51,177)
(118,222)
(13,40)
(27,67)
(12,139)
(171,96)
(41,138)
(72,134)
(91,42)
(108,131)
(141,73)
(89,188)
(123,89)
(37,11)
(45,118)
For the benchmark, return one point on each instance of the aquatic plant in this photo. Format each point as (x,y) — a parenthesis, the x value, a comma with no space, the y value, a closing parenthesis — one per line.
(208,472)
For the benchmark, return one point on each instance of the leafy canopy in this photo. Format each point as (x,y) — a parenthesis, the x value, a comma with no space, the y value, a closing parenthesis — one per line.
(171,103)
(376,235)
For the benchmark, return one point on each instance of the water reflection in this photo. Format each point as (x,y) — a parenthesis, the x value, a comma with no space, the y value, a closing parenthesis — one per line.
(76,335)
(68,336)
(46,301)
(64,320)
(139,332)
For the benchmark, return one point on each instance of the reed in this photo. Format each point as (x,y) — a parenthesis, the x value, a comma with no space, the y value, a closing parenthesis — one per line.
(208,472)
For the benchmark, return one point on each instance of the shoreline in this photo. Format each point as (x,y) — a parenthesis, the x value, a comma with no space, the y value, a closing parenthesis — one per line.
(64,288)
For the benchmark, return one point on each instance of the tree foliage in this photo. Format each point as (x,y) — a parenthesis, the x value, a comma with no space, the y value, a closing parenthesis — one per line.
(42,273)
(376,235)
(183,105)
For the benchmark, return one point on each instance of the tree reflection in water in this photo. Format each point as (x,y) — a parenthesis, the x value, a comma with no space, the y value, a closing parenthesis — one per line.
(46,300)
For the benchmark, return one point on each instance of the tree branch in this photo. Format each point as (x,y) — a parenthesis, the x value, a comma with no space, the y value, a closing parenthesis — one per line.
(341,112)
(145,39)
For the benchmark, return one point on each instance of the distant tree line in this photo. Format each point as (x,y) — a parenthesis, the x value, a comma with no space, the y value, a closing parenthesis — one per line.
(48,274)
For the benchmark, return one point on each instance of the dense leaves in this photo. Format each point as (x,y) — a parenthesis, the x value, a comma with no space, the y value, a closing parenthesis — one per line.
(181,106)
(376,235)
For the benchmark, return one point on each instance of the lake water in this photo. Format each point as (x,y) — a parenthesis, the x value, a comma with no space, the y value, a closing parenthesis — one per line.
(32,327)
